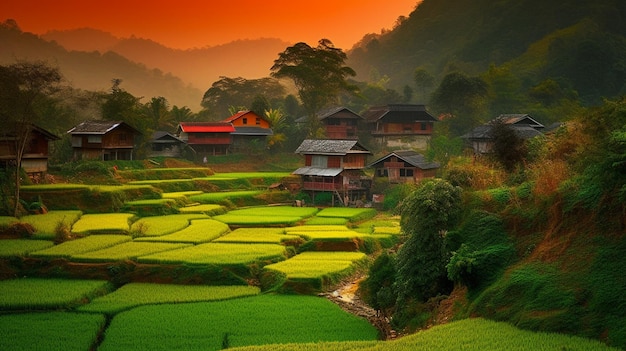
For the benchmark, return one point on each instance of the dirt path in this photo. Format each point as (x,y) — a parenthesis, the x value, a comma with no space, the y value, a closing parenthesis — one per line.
(346,297)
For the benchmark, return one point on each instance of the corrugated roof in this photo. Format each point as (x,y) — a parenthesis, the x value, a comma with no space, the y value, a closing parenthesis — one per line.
(97,127)
(330,112)
(161,136)
(519,118)
(206,127)
(409,156)
(331,147)
(316,171)
(484,132)
(252,131)
(409,113)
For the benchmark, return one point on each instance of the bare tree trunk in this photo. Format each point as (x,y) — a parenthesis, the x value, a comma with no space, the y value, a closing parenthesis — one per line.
(22,136)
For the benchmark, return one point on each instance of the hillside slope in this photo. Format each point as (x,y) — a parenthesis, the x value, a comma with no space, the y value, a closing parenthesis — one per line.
(448,35)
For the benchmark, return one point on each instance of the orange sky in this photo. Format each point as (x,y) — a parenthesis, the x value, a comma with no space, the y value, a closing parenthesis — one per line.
(186,24)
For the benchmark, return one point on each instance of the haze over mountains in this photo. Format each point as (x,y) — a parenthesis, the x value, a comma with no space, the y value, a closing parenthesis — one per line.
(199,66)
(579,44)
(90,59)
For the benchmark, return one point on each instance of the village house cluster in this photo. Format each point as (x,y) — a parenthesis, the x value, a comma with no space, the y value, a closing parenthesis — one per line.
(336,164)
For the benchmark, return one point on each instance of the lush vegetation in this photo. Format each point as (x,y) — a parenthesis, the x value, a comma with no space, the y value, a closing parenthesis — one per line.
(36,293)
(199,231)
(55,331)
(77,247)
(533,235)
(468,334)
(255,320)
(138,294)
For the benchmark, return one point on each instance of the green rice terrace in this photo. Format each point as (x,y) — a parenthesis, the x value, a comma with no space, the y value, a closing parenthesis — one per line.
(178,259)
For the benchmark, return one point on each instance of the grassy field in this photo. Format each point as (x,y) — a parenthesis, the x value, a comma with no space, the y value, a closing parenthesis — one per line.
(102,223)
(79,246)
(469,334)
(37,293)
(46,224)
(50,331)
(161,225)
(138,294)
(199,231)
(262,319)
(218,254)
(22,247)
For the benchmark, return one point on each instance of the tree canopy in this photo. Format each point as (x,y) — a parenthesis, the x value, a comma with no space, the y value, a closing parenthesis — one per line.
(318,73)
(426,214)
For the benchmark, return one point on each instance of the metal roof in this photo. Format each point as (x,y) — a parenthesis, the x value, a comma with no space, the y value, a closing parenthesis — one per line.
(407,113)
(317,171)
(206,127)
(252,131)
(409,156)
(331,112)
(98,127)
(331,147)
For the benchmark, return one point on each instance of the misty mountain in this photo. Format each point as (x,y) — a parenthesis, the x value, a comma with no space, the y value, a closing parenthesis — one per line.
(199,67)
(89,59)
(94,71)
(578,43)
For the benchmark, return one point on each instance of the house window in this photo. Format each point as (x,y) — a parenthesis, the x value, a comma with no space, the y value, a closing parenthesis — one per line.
(424,126)
(319,161)
(382,172)
(77,141)
(244,120)
(258,121)
(406,172)
(94,139)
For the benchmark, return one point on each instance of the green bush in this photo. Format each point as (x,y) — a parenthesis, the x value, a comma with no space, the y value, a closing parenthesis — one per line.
(323,198)
(395,194)
(473,268)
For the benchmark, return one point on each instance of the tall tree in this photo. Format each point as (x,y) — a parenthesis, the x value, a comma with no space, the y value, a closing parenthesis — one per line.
(424,81)
(157,110)
(228,92)
(24,88)
(318,73)
(426,215)
(182,114)
(277,120)
(462,99)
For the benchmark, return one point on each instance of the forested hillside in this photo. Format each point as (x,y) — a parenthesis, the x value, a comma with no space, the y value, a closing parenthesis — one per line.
(579,45)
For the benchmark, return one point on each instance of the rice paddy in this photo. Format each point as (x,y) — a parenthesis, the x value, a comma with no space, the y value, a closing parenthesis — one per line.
(103,223)
(138,294)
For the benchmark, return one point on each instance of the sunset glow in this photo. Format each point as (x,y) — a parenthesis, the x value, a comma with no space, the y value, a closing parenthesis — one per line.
(187,24)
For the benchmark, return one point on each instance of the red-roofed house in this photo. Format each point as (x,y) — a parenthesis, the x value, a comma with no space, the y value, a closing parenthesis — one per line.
(206,138)
(251,130)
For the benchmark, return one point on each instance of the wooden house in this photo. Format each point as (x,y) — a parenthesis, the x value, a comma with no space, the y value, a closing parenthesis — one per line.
(36,151)
(164,144)
(206,138)
(404,166)
(334,166)
(251,130)
(103,140)
(338,122)
(524,126)
(406,126)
